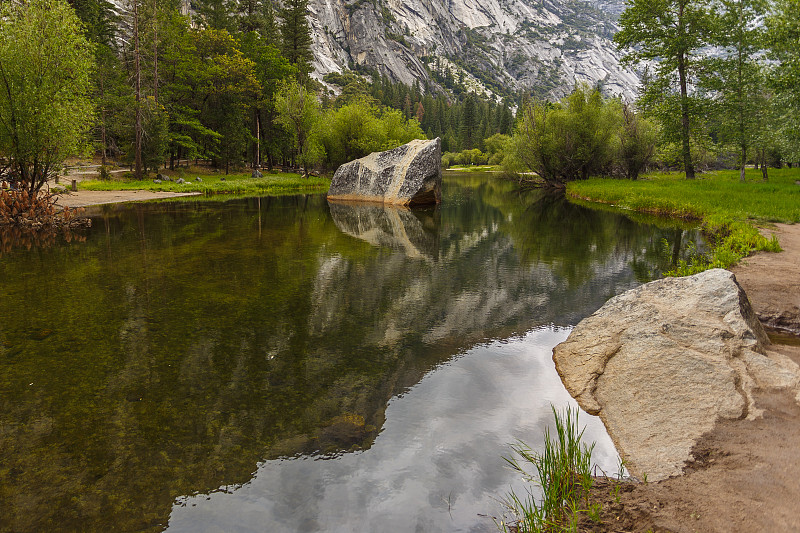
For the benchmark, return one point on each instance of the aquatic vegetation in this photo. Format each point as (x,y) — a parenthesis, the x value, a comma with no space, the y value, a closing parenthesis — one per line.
(562,471)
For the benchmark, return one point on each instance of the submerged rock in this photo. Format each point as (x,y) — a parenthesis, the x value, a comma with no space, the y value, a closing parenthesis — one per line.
(407,175)
(660,364)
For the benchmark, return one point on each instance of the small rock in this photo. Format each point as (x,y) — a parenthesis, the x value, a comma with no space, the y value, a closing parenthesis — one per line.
(180,181)
(156,180)
(198,179)
(256,174)
(222,179)
(161,177)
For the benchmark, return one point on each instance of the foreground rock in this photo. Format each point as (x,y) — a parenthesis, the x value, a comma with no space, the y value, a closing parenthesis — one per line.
(662,363)
(407,175)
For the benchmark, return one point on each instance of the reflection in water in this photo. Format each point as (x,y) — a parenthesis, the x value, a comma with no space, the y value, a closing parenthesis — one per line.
(436,464)
(414,232)
(184,344)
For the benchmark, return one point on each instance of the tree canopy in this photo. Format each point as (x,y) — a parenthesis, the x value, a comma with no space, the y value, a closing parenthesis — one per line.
(45,67)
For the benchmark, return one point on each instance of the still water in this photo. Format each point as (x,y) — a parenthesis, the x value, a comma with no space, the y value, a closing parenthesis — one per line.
(279,364)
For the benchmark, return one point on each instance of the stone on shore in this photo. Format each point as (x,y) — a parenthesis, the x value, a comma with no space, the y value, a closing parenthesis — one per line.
(407,175)
(660,364)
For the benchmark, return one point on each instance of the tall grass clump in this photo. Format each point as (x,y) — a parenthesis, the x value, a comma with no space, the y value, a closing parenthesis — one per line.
(563,473)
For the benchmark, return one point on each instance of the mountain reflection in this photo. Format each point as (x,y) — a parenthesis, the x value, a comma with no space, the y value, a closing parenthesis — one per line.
(183,343)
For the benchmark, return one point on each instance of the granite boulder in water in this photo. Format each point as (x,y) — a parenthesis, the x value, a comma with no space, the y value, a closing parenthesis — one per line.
(407,175)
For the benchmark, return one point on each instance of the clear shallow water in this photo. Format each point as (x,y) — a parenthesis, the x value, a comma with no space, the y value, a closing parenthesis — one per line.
(277,364)
(435,466)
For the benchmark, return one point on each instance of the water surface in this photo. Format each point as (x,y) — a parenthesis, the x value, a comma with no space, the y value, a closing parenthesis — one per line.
(279,364)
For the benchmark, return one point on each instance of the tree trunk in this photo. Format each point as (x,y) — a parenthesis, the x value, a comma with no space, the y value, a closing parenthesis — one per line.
(258,140)
(103,140)
(138,90)
(687,153)
(743,164)
(155,52)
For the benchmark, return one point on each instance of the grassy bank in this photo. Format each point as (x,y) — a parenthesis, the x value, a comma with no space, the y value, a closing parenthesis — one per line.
(214,183)
(728,210)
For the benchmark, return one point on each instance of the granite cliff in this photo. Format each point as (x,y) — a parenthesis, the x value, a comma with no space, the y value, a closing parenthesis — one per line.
(492,45)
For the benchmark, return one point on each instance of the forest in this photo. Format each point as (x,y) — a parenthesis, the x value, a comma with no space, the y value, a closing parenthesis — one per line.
(229,83)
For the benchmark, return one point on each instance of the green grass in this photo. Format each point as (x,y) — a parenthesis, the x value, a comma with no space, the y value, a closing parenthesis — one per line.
(728,210)
(562,471)
(474,168)
(213,184)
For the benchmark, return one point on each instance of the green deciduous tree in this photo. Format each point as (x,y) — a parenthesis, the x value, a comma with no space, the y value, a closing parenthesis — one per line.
(298,112)
(669,33)
(637,142)
(736,75)
(783,43)
(45,68)
(569,140)
(358,128)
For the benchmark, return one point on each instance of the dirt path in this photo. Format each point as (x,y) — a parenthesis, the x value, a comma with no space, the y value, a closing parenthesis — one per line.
(86,198)
(772,281)
(746,474)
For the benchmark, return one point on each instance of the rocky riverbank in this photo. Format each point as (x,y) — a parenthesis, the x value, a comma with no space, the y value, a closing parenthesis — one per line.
(711,411)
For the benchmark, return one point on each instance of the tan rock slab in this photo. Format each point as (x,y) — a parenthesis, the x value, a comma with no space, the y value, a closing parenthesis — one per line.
(662,363)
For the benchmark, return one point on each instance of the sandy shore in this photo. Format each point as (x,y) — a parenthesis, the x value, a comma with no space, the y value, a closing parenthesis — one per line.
(87,198)
(746,474)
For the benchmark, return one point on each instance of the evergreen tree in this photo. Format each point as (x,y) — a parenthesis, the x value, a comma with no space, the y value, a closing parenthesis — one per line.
(215,14)
(296,35)
(257,16)
(468,123)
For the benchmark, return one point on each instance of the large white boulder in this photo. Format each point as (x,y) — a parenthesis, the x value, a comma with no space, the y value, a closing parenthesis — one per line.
(409,175)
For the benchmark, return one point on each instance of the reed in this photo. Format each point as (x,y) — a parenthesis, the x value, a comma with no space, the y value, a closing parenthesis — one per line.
(562,470)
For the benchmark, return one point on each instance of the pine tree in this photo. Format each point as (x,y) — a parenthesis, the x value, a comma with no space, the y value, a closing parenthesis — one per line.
(215,14)
(296,35)
(469,122)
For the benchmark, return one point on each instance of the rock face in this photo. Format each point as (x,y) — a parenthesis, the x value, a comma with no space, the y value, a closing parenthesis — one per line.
(660,364)
(493,45)
(407,175)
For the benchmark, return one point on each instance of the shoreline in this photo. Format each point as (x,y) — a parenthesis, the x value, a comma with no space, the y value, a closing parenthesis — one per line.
(84,198)
(743,473)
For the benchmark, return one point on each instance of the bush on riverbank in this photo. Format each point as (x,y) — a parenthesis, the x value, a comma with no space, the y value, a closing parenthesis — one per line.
(727,208)
(33,219)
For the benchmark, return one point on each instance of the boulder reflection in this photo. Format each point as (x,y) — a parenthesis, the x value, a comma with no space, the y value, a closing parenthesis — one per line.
(414,232)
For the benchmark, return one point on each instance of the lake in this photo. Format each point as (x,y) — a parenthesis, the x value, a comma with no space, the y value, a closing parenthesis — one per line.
(282,364)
